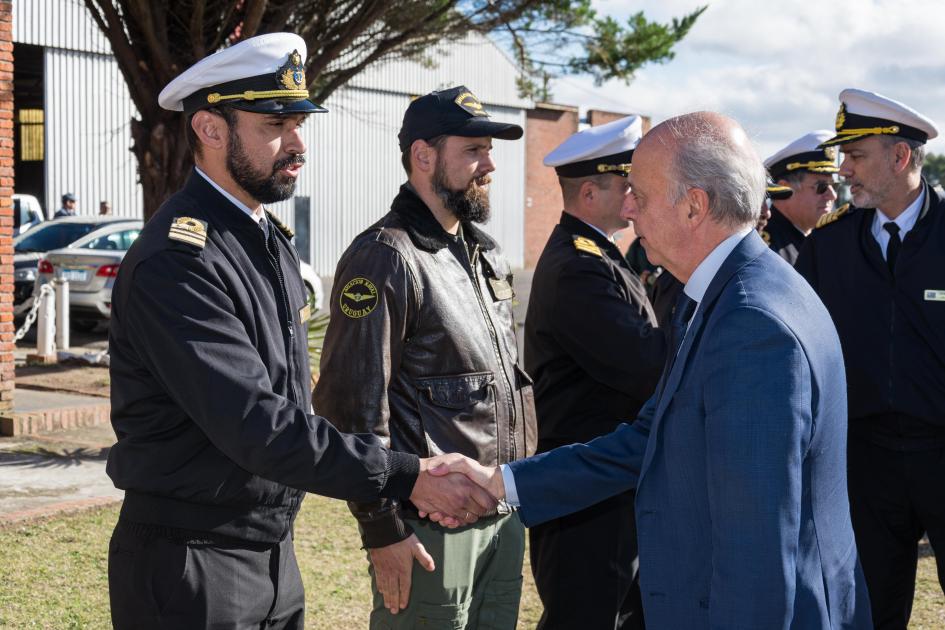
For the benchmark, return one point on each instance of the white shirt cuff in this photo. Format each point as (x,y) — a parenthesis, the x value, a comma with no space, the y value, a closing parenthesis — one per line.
(511,494)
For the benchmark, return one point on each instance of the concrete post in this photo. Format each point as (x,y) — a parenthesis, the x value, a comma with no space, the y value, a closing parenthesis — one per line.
(62,313)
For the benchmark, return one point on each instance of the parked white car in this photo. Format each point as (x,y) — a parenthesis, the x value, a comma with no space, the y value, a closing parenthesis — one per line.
(29,248)
(91,266)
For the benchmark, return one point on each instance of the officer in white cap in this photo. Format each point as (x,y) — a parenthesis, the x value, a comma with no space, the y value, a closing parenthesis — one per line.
(594,350)
(808,169)
(879,267)
(211,389)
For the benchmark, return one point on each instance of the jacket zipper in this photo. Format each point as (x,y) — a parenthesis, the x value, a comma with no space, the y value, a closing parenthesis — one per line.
(510,391)
(289,342)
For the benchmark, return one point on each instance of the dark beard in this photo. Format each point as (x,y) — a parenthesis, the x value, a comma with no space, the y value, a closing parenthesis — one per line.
(470,204)
(262,188)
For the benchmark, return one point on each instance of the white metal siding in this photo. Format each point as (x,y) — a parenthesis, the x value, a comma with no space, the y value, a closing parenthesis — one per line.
(88,133)
(474,62)
(353,173)
(57,24)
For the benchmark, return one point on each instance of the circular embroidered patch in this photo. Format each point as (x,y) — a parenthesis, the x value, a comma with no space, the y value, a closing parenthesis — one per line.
(358,298)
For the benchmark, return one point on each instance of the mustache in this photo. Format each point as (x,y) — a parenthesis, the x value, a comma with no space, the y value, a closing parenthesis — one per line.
(482,181)
(294,160)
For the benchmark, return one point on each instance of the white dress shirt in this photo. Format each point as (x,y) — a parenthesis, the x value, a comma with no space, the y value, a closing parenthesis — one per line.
(905,221)
(698,284)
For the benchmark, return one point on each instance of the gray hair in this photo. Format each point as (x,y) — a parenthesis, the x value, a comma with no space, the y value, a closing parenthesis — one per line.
(917,148)
(707,158)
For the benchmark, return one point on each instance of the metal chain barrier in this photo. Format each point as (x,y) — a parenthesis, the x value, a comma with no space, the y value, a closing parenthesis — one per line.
(44,290)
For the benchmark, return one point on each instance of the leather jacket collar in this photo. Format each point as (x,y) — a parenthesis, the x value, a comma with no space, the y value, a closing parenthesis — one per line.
(423,228)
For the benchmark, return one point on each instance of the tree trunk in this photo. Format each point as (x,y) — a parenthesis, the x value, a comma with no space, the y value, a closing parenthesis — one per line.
(164,159)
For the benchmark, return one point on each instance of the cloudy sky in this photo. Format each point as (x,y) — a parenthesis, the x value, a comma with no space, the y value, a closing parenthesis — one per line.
(778,67)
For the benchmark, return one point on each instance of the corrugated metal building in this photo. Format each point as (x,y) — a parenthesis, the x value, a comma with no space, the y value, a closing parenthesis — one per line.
(65,69)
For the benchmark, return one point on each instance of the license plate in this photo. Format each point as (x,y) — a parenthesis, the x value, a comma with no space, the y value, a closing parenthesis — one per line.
(75,275)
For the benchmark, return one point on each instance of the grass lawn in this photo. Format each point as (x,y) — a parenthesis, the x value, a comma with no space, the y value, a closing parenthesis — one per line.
(53,573)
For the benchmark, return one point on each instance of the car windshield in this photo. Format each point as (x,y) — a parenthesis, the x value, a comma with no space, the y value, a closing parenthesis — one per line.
(53,236)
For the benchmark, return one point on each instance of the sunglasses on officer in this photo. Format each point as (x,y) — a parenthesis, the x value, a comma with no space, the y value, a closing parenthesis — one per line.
(822,186)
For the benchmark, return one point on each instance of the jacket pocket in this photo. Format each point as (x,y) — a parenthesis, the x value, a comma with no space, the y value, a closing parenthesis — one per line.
(458,414)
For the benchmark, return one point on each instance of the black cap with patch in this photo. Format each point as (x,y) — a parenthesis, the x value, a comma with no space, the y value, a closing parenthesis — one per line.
(452,112)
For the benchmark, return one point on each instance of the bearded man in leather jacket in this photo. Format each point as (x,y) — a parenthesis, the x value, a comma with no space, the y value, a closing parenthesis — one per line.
(421,351)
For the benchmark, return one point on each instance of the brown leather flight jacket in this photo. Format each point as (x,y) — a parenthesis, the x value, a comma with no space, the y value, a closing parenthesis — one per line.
(421,351)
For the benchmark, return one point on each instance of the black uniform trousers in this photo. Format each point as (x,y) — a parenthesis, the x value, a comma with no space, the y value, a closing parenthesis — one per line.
(586,567)
(160,582)
(897,495)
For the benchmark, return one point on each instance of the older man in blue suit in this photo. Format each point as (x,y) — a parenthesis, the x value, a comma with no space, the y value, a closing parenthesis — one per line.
(739,459)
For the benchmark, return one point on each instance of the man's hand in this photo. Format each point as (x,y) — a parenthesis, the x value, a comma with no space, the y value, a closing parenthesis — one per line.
(450,494)
(393,566)
(490,478)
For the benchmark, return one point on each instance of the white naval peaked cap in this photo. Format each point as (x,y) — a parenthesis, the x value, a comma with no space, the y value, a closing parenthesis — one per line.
(602,149)
(804,154)
(863,113)
(260,74)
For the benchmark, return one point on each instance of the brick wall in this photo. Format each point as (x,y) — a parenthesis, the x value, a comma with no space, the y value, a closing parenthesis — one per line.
(546,127)
(6,205)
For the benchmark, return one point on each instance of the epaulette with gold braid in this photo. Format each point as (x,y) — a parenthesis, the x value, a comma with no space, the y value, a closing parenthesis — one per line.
(586,245)
(830,217)
(282,227)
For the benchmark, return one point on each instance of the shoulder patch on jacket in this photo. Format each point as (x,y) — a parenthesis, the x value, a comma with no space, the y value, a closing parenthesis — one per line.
(188,230)
(586,245)
(282,227)
(830,217)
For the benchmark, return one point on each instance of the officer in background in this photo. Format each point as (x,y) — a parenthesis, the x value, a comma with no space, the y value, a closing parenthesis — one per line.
(421,351)
(879,267)
(68,206)
(593,347)
(809,170)
(210,377)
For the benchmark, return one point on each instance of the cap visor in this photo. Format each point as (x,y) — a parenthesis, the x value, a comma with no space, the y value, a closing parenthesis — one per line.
(480,128)
(275,106)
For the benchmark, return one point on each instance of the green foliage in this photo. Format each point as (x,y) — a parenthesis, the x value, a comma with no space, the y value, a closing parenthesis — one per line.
(934,169)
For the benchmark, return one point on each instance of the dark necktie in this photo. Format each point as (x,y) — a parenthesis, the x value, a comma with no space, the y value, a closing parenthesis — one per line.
(682,313)
(892,250)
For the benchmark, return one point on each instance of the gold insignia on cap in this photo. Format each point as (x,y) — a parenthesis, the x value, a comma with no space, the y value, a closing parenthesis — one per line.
(291,76)
(841,116)
(358,298)
(586,245)
(831,153)
(471,104)
(830,217)
(619,169)
(765,237)
(188,230)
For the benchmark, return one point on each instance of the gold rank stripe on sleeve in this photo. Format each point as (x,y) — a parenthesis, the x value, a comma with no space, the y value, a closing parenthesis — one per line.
(586,245)
(830,217)
(188,230)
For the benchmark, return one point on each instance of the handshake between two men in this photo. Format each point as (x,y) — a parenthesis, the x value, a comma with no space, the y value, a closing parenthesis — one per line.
(454,490)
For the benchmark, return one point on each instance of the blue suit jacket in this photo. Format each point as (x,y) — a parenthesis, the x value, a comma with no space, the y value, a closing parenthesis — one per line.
(739,465)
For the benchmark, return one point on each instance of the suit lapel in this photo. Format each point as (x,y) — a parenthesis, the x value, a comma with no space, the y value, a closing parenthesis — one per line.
(748,249)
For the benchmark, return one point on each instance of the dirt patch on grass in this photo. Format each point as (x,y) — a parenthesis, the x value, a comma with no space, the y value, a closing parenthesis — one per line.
(89,380)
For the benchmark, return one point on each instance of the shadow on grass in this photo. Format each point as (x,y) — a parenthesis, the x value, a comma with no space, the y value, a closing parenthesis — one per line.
(40,457)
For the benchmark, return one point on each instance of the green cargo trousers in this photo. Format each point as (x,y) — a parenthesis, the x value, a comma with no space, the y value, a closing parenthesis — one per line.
(477,583)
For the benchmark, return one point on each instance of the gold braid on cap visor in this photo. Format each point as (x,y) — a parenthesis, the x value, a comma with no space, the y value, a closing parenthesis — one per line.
(609,168)
(252,95)
(793,166)
(870,131)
